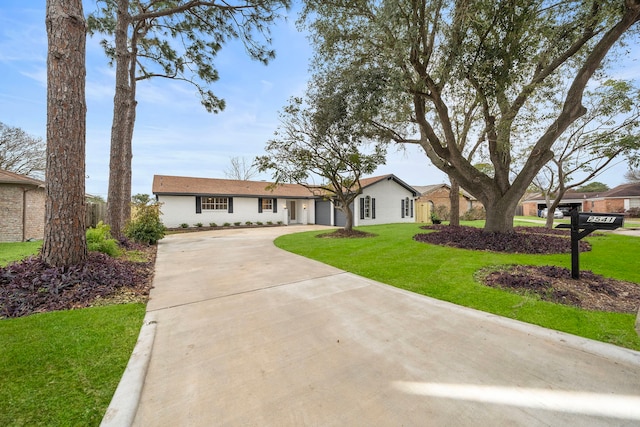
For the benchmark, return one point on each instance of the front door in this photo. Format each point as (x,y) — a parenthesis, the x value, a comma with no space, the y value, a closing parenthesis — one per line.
(292,211)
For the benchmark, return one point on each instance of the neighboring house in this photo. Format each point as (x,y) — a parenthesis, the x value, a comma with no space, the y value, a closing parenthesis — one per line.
(437,195)
(22,201)
(617,200)
(188,200)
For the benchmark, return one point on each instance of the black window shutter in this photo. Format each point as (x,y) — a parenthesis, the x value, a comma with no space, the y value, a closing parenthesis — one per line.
(361,208)
(411,208)
(373,208)
(259,204)
(402,208)
(198,204)
(230,205)
(275,205)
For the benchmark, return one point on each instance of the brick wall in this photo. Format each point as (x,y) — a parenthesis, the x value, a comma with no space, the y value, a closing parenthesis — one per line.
(604,206)
(441,197)
(11,212)
(34,218)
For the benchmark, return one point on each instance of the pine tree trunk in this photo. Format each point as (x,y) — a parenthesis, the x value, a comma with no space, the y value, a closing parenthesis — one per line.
(64,235)
(121,129)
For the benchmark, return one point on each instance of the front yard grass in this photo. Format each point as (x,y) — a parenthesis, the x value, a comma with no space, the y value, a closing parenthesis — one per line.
(10,252)
(62,368)
(446,273)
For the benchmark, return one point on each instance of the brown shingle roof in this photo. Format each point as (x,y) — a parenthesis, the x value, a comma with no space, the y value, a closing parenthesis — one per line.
(7,177)
(179,185)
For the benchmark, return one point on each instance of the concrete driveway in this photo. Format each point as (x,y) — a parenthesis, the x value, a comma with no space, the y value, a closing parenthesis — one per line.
(249,335)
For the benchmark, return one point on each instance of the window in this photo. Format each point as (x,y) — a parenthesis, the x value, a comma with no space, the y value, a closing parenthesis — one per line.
(367,207)
(267,205)
(215,203)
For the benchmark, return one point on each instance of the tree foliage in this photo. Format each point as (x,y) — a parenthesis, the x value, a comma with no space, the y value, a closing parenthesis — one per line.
(178,40)
(240,169)
(481,71)
(593,187)
(22,153)
(606,134)
(632,175)
(321,140)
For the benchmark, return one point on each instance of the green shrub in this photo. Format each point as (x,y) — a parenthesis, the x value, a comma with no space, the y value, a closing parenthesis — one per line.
(146,226)
(99,240)
(269,222)
(441,213)
(474,214)
(198,224)
(279,222)
(237,223)
(226,224)
(184,225)
(259,223)
(248,223)
(213,224)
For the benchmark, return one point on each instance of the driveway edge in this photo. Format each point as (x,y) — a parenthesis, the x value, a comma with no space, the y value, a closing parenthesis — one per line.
(124,403)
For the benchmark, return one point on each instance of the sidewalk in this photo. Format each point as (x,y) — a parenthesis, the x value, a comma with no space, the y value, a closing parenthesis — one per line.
(250,335)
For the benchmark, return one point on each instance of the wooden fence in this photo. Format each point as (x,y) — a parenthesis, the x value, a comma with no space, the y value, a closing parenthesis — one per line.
(95,212)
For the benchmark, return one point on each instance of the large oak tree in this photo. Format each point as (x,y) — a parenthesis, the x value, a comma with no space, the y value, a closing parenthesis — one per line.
(177,40)
(505,56)
(318,139)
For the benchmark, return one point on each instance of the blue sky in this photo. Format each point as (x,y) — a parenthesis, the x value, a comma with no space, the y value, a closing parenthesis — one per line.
(173,134)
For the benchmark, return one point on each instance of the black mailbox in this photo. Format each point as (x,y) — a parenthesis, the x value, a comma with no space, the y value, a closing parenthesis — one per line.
(583,224)
(600,221)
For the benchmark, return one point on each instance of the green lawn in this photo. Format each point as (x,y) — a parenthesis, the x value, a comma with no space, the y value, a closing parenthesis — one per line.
(62,368)
(15,251)
(448,274)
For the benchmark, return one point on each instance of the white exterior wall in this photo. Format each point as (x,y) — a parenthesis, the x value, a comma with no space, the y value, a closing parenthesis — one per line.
(388,195)
(177,210)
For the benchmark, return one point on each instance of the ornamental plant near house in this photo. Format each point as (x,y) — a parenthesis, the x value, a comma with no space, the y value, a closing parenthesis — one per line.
(248,223)
(184,225)
(198,224)
(237,223)
(146,226)
(99,240)
(213,224)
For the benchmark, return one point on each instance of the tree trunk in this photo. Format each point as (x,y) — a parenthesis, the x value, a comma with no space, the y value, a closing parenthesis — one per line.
(121,130)
(500,215)
(64,233)
(348,223)
(454,198)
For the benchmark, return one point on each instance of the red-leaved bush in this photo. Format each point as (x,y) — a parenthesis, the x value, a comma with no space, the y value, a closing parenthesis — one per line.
(527,240)
(30,286)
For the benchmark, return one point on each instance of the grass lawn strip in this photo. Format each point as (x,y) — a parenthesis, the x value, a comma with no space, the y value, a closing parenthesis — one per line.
(10,252)
(61,368)
(446,273)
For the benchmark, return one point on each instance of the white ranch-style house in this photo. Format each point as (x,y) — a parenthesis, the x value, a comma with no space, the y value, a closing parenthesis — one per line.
(188,200)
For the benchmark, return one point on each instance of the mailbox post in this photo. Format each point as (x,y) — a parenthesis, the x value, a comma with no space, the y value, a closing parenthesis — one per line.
(583,224)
